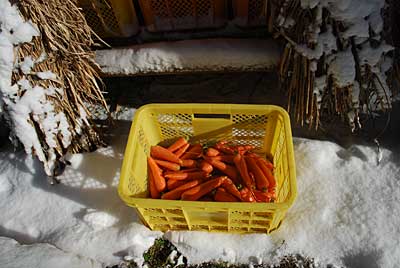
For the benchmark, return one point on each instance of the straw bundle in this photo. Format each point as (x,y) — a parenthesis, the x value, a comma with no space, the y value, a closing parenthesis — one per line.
(297,78)
(321,68)
(64,49)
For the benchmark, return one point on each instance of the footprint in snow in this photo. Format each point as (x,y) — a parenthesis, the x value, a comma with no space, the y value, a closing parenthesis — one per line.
(6,187)
(99,220)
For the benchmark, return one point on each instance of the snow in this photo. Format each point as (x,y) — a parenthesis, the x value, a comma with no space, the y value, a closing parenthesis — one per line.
(47,75)
(355,94)
(205,54)
(34,103)
(326,44)
(352,199)
(350,11)
(14,255)
(327,40)
(83,216)
(342,68)
(372,56)
(27,64)
(376,21)
(225,247)
(359,29)
(309,3)
(347,211)
(172,256)
(26,103)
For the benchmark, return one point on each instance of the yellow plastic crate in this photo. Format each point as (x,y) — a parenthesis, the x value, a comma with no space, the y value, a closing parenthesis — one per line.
(265,126)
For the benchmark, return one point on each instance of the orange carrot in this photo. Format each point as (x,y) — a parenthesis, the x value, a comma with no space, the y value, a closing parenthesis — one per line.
(221,146)
(246,195)
(267,172)
(225,168)
(159,180)
(178,144)
(168,165)
(177,192)
(193,152)
(241,166)
(161,153)
(182,150)
(205,166)
(160,171)
(172,184)
(227,158)
(182,171)
(267,163)
(223,196)
(187,175)
(189,163)
(242,149)
(154,193)
(261,180)
(261,196)
(253,181)
(198,191)
(249,147)
(231,188)
(253,155)
(212,152)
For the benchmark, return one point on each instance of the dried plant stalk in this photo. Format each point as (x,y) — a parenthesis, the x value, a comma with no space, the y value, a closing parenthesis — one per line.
(67,42)
(298,75)
(298,80)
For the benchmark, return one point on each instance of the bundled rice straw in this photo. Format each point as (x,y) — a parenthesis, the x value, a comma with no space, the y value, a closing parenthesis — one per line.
(56,78)
(336,61)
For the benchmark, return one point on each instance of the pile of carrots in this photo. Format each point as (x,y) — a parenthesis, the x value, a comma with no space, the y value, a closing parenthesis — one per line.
(224,173)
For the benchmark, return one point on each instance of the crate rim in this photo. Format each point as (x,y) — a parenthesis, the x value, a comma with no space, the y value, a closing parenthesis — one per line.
(159,203)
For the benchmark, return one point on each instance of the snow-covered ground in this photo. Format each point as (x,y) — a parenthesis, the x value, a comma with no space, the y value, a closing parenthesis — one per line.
(15,255)
(347,212)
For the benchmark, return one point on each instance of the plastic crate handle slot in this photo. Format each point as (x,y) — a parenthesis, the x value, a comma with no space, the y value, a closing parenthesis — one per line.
(207,125)
(212,116)
(220,127)
(204,217)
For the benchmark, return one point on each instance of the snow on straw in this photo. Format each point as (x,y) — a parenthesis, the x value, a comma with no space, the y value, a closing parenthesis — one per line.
(24,102)
(342,68)
(360,32)
(372,56)
(46,75)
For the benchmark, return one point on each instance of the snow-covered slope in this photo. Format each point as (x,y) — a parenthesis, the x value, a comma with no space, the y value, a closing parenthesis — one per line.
(347,212)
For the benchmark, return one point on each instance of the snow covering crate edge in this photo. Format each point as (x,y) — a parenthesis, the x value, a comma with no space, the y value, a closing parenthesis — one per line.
(154,123)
